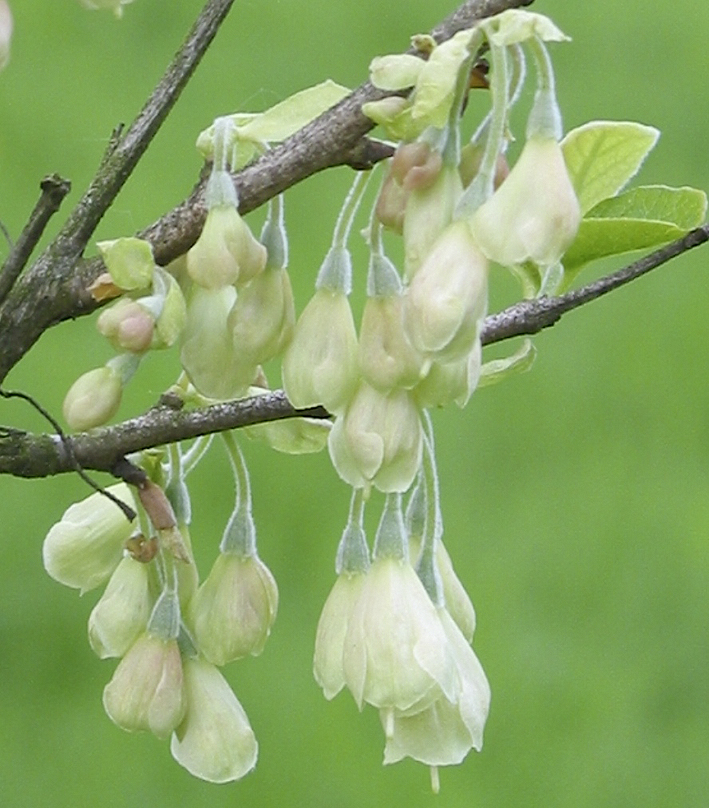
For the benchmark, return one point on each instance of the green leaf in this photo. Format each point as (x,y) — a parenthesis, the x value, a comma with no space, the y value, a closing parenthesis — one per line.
(129,261)
(602,156)
(601,238)
(254,129)
(638,219)
(286,118)
(684,207)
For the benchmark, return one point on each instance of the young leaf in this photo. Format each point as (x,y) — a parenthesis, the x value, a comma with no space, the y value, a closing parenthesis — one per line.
(601,238)
(684,207)
(639,219)
(602,156)
(285,118)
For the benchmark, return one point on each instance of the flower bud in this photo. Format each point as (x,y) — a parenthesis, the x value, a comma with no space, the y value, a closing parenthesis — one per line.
(214,741)
(233,610)
(130,262)
(332,629)
(207,352)
(386,357)
(470,159)
(93,398)
(127,325)
(122,613)
(226,251)
(446,301)
(414,166)
(534,215)
(263,318)
(320,365)
(428,212)
(454,380)
(173,316)
(146,692)
(377,440)
(86,545)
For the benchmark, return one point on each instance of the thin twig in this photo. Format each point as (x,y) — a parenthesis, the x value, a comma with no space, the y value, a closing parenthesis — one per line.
(54,189)
(26,455)
(52,287)
(69,449)
(531,316)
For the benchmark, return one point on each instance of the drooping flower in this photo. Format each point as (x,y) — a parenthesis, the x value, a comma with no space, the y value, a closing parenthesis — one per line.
(320,365)
(207,350)
(534,215)
(445,731)
(234,609)
(86,545)
(214,741)
(332,630)
(446,300)
(146,692)
(122,613)
(396,653)
(226,251)
(377,440)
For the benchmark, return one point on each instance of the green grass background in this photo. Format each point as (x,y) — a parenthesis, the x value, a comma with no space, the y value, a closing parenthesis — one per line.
(575,496)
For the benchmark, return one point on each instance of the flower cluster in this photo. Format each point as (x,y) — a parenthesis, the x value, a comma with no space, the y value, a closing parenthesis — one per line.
(397,627)
(396,645)
(171,633)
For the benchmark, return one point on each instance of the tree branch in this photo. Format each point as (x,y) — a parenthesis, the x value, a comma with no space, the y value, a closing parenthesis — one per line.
(54,189)
(531,316)
(27,455)
(49,292)
(56,288)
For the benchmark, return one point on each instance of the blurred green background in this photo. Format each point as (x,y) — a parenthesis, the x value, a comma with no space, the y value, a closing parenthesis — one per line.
(575,496)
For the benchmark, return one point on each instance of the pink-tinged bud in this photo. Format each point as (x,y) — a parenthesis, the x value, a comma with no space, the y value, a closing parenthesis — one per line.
(127,325)
(534,215)
(470,159)
(145,692)
(93,399)
(215,741)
